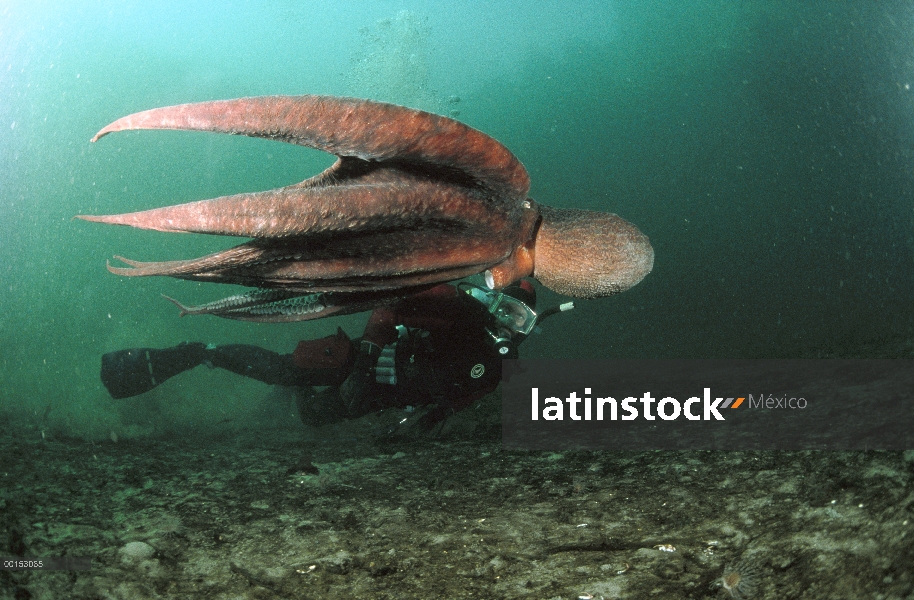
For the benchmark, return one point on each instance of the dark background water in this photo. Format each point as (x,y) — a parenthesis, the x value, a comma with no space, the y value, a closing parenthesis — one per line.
(763,146)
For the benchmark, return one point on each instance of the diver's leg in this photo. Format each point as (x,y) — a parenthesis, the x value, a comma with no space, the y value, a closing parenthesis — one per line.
(127,373)
(269,367)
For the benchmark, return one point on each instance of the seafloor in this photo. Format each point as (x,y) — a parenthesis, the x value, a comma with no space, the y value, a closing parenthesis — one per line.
(355,511)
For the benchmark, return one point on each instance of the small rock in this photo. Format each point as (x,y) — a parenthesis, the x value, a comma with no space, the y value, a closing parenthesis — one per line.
(135,552)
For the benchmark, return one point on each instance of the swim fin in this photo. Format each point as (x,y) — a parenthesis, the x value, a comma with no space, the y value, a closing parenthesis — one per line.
(128,373)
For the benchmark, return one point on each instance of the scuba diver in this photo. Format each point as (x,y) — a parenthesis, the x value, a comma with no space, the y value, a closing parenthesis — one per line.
(440,347)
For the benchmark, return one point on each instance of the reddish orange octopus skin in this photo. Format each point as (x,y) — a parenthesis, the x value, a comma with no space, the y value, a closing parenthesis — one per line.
(414,199)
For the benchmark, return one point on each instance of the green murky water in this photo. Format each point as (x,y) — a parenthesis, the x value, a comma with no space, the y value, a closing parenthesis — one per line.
(763,148)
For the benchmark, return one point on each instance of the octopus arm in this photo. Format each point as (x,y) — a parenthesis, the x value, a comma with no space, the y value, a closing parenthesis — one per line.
(348,127)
